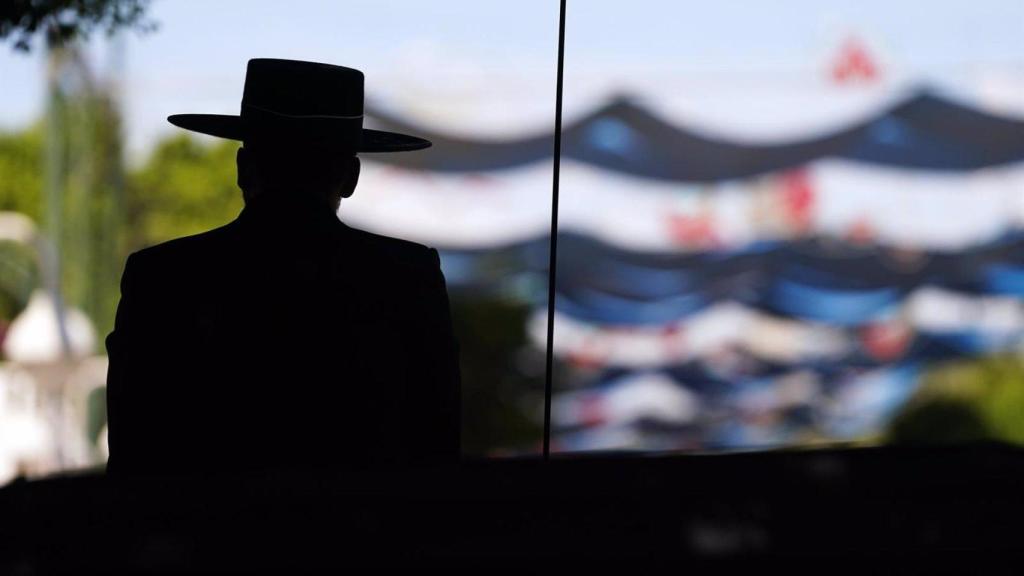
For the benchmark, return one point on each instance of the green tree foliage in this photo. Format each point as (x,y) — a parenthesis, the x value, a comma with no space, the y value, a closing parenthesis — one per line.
(89,185)
(65,20)
(21,165)
(18,276)
(21,189)
(184,188)
(971,400)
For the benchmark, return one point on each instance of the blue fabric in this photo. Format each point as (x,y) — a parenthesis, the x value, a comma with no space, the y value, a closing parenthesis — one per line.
(925,131)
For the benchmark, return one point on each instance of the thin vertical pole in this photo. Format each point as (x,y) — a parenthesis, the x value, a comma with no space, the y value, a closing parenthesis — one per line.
(553,256)
(54,198)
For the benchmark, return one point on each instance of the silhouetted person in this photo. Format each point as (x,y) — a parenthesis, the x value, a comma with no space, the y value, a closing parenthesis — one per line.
(285,339)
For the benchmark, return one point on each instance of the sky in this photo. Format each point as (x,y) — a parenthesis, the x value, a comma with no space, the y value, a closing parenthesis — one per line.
(488,68)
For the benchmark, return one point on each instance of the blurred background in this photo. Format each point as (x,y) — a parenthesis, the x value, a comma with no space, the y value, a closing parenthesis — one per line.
(782,225)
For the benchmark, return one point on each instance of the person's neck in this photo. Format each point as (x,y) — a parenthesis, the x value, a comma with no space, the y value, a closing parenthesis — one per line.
(296,198)
(291,206)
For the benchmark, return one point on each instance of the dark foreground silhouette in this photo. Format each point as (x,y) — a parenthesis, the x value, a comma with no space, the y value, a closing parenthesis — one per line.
(285,339)
(926,505)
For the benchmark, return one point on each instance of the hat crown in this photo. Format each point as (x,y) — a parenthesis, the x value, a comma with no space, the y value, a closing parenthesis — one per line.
(300,88)
(297,101)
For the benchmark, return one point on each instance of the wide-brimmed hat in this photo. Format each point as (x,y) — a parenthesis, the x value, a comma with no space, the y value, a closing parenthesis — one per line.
(296,101)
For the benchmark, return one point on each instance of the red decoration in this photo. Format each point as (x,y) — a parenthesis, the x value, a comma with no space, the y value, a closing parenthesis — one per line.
(673,337)
(592,412)
(798,199)
(588,355)
(693,231)
(854,64)
(886,341)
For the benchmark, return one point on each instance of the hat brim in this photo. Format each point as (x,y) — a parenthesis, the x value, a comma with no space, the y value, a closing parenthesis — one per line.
(236,128)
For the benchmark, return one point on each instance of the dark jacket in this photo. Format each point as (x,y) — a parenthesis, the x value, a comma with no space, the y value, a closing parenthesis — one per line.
(284,339)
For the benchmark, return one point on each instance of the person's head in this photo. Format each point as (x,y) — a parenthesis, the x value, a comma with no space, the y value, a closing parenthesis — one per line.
(302,126)
(313,171)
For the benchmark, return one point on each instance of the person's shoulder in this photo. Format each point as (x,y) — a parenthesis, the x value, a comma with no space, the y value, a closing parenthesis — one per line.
(394,249)
(193,248)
